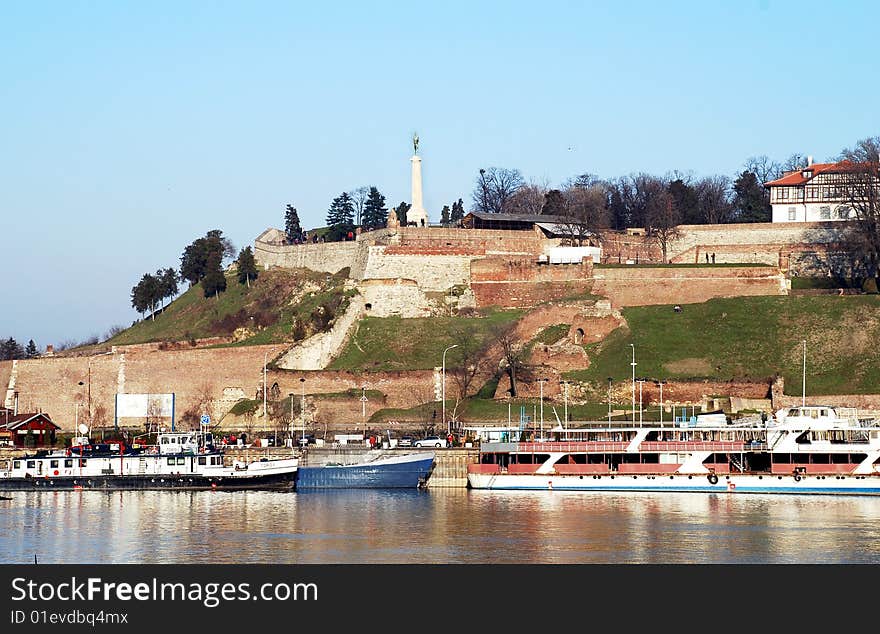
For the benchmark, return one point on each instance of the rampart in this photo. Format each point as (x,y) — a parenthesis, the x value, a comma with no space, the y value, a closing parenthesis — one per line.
(640,286)
(521,282)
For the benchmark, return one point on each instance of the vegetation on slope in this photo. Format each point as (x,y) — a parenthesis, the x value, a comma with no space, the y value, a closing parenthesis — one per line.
(748,338)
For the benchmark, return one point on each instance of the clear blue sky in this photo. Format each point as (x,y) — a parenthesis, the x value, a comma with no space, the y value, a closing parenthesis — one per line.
(131,128)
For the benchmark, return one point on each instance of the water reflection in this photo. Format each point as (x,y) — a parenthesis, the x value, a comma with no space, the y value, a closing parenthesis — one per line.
(436,526)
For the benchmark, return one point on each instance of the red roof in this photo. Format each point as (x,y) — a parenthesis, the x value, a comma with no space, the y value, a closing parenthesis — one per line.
(797,177)
(18,420)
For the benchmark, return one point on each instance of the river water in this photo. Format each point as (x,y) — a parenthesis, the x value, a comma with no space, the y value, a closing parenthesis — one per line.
(436,526)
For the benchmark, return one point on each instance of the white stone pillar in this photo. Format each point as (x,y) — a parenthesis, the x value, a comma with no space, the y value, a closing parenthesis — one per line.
(416,213)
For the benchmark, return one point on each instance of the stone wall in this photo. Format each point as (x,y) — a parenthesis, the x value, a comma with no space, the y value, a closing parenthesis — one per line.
(395,297)
(520,282)
(435,273)
(329,257)
(316,352)
(646,286)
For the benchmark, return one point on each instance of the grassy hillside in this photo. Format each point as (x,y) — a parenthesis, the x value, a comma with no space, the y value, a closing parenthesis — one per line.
(281,305)
(749,337)
(392,343)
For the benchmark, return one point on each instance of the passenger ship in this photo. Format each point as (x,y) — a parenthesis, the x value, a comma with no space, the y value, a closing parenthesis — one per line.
(179,461)
(809,449)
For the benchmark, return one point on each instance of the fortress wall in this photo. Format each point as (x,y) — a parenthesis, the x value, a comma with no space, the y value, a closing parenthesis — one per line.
(435,273)
(399,297)
(520,282)
(5,372)
(647,286)
(476,241)
(318,351)
(328,257)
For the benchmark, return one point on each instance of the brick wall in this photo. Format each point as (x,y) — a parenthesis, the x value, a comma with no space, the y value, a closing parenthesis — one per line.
(646,286)
(520,282)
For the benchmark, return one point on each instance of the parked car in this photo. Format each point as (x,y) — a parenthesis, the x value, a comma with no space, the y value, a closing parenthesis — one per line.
(405,441)
(431,441)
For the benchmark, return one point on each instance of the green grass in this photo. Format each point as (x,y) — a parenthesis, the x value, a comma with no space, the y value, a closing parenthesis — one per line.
(552,334)
(748,338)
(802,283)
(690,265)
(392,343)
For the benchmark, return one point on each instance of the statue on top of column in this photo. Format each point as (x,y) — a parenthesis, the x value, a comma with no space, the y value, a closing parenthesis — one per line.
(415,143)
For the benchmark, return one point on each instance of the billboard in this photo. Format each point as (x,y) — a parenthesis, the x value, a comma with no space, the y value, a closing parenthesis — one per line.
(145,406)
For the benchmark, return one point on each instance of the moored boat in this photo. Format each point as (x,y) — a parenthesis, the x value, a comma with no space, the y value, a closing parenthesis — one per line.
(179,461)
(805,450)
(372,470)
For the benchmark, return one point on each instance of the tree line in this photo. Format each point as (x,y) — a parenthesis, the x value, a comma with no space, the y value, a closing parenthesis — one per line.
(10,349)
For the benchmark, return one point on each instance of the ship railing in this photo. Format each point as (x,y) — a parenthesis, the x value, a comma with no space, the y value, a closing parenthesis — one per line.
(589,446)
(696,445)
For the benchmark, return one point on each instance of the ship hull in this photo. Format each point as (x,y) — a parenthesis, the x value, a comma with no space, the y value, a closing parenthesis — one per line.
(187,482)
(744,483)
(391,474)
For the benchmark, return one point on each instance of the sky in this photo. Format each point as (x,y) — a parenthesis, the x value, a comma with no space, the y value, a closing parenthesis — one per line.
(132,128)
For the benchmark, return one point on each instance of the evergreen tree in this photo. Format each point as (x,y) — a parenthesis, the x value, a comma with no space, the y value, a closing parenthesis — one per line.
(214,281)
(291,224)
(554,203)
(401,210)
(750,203)
(444,215)
(340,218)
(146,294)
(194,261)
(375,214)
(686,201)
(31,351)
(247,268)
(457,211)
(11,349)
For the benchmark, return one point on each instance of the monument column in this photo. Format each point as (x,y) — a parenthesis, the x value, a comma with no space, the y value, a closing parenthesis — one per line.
(416,214)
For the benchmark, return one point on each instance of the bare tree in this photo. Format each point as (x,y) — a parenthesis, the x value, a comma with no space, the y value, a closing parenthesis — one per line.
(512,352)
(585,214)
(528,199)
(861,188)
(662,222)
(714,199)
(494,189)
(359,199)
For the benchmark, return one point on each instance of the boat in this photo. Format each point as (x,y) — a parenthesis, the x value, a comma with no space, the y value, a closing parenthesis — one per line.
(374,469)
(178,461)
(812,449)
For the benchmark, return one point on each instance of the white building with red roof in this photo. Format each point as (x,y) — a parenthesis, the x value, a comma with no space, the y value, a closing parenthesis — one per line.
(818,192)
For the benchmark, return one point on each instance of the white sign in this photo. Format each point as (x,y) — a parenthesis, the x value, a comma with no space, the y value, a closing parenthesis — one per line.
(144,405)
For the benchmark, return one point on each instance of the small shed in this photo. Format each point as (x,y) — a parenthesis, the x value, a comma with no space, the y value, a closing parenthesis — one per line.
(28,430)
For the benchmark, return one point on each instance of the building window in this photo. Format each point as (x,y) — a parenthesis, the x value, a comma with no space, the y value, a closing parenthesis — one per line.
(825,212)
(792,213)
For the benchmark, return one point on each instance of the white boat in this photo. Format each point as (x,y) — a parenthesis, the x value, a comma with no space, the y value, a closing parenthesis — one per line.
(179,461)
(805,450)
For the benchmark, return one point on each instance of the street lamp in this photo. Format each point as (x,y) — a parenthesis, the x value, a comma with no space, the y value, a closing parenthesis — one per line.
(610,379)
(564,385)
(364,408)
(443,386)
(633,364)
(541,385)
(640,382)
(290,430)
(804,388)
(302,412)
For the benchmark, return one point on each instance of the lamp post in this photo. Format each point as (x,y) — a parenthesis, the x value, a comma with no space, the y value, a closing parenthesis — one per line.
(364,408)
(633,364)
(290,430)
(443,386)
(660,383)
(564,385)
(541,385)
(610,379)
(265,360)
(640,382)
(804,386)
(302,412)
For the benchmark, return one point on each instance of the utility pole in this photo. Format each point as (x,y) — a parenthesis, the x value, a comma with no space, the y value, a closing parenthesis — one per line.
(633,364)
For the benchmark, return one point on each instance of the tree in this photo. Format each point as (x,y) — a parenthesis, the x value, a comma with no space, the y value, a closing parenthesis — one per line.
(11,349)
(444,215)
(340,217)
(713,199)
(375,214)
(359,198)
(630,198)
(292,228)
(585,213)
(861,189)
(246,267)
(662,222)
(494,189)
(401,210)
(214,281)
(457,211)
(750,201)
(512,352)
(685,200)
(528,200)
(554,203)
(167,283)
(194,261)
(146,294)
(31,351)
(470,358)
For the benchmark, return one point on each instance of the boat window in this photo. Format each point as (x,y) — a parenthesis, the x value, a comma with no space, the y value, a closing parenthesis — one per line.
(202,460)
(814,413)
(53,464)
(68,462)
(31,464)
(171,461)
(16,464)
(82,462)
(163,441)
(180,460)
(824,412)
(793,412)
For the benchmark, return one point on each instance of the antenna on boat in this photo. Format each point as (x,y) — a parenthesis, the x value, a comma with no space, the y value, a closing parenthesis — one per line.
(804,387)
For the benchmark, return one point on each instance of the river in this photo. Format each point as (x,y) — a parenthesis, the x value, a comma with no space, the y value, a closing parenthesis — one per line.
(436,526)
